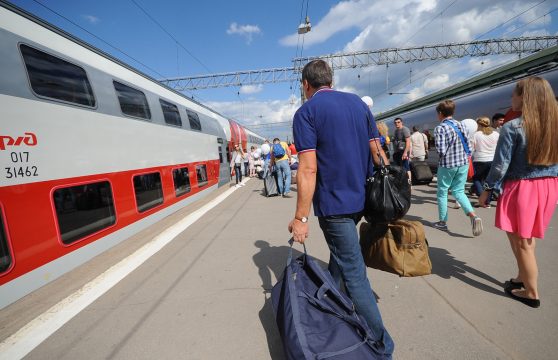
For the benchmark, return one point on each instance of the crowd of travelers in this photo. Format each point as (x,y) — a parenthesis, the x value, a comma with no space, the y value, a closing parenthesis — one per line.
(514,163)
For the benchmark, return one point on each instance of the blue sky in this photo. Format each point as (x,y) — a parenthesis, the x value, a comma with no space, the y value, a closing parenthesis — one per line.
(224,36)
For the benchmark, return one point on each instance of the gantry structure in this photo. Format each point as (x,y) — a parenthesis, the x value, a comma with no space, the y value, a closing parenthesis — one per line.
(360,59)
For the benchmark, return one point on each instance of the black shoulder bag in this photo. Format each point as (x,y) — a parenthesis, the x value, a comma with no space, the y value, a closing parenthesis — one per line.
(388,193)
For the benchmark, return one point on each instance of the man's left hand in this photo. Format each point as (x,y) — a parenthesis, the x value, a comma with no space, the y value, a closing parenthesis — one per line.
(299,230)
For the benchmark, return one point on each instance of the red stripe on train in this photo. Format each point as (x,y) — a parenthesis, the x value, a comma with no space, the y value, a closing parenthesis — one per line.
(30,218)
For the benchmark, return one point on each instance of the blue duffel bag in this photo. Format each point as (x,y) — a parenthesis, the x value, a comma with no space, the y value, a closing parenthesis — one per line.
(315,319)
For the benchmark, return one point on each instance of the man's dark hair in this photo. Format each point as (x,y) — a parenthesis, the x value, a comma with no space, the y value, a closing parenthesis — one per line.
(397,118)
(317,73)
(415,128)
(446,108)
(497,116)
(276,139)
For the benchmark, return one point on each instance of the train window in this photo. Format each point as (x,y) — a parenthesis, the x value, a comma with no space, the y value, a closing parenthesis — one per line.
(149,191)
(194,119)
(83,210)
(132,102)
(55,78)
(201,172)
(170,112)
(181,181)
(5,255)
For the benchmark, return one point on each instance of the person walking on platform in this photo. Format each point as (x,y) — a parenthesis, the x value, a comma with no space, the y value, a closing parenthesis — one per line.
(323,127)
(292,148)
(252,161)
(453,147)
(483,148)
(419,145)
(237,159)
(281,158)
(402,146)
(384,137)
(526,162)
(498,121)
(246,162)
(267,158)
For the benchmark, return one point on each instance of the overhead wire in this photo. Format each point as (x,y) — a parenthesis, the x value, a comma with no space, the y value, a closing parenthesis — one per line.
(99,38)
(397,86)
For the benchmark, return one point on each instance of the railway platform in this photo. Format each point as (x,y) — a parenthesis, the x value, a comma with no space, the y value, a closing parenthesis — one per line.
(203,291)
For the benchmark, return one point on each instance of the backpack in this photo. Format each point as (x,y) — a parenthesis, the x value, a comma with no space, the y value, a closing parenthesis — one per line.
(278,151)
(316,320)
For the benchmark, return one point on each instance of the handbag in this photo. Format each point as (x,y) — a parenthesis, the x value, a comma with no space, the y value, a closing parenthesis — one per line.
(315,319)
(471,170)
(400,248)
(388,193)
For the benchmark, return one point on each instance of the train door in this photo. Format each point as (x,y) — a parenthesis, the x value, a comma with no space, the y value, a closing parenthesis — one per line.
(224,165)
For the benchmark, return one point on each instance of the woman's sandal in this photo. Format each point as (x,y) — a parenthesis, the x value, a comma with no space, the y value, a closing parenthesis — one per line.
(534,303)
(511,285)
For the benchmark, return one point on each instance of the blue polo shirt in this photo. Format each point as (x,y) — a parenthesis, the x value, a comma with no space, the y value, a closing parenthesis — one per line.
(334,124)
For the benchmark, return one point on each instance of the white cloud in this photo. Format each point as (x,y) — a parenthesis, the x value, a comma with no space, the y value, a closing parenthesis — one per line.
(244,30)
(253,112)
(91,19)
(251,89)
(403,23)
(436,82)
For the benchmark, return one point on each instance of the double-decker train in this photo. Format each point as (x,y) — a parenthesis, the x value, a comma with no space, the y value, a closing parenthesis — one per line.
(91,152)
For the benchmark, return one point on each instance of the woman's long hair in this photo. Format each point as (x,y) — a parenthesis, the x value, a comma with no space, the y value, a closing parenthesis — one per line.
(382,129)
(483,124)
(540,120)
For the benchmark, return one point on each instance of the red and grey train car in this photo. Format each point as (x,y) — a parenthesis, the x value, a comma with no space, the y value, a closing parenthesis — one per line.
(91,152)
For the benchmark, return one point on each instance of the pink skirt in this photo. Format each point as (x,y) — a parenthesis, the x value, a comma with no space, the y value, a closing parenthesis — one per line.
(526,206)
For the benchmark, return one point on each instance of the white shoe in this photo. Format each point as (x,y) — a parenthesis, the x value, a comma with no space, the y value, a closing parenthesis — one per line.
(476,224)
(237,186)
(241,184)
(457,205)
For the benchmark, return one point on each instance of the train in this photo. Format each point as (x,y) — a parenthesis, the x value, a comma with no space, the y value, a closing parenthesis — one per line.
(482,95)
(92,151)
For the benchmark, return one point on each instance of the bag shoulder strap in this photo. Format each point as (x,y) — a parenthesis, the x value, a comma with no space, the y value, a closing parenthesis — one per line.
(460,134)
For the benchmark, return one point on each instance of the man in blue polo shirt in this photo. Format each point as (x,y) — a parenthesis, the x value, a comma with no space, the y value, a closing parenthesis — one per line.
(337,138)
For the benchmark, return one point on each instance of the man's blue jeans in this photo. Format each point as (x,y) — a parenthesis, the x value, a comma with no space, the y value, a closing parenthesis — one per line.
(346,264)
(283,176)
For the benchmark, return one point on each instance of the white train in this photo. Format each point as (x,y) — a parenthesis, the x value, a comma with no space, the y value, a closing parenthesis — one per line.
(91,152)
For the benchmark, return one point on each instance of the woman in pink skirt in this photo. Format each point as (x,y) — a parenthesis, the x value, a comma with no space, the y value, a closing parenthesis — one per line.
(526,163)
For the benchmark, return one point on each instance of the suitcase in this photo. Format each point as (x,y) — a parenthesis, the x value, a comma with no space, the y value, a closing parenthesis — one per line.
(421,173)
(270,186)
(399,248)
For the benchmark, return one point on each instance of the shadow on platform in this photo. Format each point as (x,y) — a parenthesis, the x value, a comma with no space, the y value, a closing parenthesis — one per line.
(446,266)
(272,259)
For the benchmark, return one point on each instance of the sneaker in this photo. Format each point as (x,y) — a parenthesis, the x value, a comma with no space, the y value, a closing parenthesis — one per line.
(241,184)
(476,224)
(457,205)
(237,186)
(440,225)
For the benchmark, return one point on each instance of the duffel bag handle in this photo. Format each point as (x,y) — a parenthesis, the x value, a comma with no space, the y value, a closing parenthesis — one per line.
(290,258)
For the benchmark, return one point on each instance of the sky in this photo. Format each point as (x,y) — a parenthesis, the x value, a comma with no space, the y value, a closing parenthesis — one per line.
(173,38)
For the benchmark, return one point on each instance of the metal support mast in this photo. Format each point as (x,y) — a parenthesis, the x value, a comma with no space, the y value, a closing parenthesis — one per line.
(361,59)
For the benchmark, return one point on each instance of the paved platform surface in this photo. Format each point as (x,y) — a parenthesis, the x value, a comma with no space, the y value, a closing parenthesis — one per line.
(205,295)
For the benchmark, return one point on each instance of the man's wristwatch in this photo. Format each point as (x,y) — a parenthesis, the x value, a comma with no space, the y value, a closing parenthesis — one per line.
(303,219)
